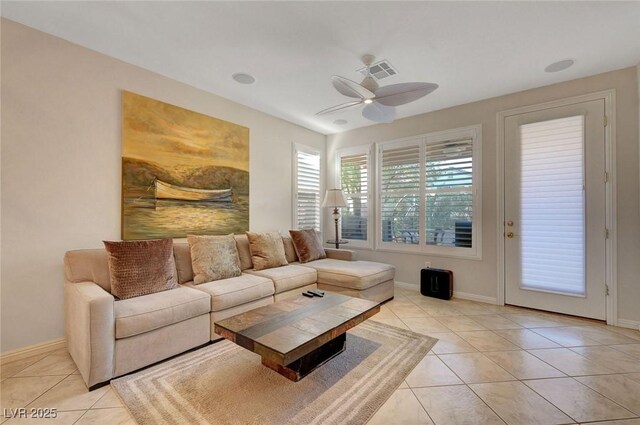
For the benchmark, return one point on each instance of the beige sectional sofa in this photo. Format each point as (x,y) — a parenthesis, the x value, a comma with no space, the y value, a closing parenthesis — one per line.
(109,338)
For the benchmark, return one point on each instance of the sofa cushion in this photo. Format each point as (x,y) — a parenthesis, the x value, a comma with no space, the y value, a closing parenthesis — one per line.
(289,250)
(213,258)
(288,277)
(143,314)
(228,293)
(307,244)
(182,255)
(267,250)
(139,268)
(352,274)
(242,245)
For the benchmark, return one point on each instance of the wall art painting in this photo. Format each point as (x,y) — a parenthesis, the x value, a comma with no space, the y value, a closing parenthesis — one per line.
(183,172)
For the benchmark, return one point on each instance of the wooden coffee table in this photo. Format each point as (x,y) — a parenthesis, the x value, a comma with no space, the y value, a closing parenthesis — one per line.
(297,335)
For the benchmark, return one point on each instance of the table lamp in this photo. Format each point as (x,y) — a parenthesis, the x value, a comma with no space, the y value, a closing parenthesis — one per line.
(334,198)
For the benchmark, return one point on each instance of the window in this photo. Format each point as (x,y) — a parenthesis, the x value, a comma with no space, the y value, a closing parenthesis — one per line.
(353,178)
(400,193)
(429,191)
(306,175)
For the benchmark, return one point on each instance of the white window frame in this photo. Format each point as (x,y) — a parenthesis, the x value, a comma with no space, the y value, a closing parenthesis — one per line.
(295,148)
(475,252)
(359,150)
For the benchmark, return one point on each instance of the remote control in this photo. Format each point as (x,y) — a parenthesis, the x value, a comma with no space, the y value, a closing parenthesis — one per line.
(306,294)
(317,293)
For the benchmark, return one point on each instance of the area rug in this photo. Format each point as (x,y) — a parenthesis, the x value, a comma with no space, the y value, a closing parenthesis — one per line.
(224,383)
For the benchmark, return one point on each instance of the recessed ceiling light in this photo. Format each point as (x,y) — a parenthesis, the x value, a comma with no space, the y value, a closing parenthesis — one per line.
(243,78)
(559,66)
(340,122)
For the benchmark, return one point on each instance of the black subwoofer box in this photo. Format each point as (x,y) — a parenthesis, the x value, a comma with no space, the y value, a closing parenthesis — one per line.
(436,283)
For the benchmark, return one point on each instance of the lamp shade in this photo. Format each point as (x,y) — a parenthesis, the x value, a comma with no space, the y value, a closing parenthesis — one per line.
(334,198)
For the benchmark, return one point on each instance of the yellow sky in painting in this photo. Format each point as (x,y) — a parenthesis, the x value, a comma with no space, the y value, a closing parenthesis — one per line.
(172,136)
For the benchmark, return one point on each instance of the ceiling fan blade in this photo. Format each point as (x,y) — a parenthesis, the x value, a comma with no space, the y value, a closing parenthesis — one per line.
(379,113)
(340,107)
(399,94)
(350,88)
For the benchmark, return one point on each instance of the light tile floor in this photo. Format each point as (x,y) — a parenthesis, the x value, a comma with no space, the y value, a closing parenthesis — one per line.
(497,365)
(492,365)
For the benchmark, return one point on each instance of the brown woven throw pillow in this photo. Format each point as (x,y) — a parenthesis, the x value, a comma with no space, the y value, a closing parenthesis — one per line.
(307,244)
(213,258)
(267,250)
(141,267)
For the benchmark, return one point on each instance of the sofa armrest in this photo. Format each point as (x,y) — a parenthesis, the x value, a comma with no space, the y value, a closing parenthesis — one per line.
(90,330)
(340,254)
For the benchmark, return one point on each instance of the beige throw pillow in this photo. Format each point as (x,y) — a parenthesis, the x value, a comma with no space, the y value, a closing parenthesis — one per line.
(307,244)
(289,250)
(267,250)
(139,268)
(213,258)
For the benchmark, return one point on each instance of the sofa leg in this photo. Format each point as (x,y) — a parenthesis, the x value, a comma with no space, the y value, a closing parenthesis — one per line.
(99,385)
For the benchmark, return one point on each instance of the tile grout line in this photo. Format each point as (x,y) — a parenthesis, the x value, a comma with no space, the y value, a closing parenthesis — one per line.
(523,381)
(463,383)
(46,391)
(424,409)
(58,383)
(603,395)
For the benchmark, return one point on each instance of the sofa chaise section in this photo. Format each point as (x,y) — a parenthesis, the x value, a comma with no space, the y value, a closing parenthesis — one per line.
(362,279)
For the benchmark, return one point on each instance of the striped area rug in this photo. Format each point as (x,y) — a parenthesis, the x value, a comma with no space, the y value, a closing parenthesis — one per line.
(226,384)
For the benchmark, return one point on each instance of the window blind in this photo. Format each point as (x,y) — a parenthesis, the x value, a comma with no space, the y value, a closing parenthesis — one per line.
(552,205)
(400,194)
(307,190)
(354,180)
(449,195)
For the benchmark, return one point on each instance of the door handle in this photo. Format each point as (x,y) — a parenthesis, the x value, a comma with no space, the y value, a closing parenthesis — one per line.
(510,223)
(509,235)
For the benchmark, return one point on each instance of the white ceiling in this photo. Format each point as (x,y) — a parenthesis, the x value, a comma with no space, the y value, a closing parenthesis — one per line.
(474,50)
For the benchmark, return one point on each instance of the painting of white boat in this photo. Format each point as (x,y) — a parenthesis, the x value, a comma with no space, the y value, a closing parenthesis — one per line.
(165,190)
(183,172)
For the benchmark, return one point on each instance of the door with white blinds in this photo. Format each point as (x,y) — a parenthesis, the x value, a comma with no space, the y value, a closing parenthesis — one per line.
(306,189)
(555,241)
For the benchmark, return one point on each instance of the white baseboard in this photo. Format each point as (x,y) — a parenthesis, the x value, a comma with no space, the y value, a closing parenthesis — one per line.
(631,324)
(474,297)
(33,350)
(456,294)
(407,285)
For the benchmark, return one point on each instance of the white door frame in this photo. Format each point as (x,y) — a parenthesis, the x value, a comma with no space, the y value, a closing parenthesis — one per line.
(609,97)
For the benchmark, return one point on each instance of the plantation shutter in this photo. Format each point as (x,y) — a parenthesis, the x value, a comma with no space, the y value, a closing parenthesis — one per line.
(354,180)
(307,190)
(552,205)
(449,192)
(400,193)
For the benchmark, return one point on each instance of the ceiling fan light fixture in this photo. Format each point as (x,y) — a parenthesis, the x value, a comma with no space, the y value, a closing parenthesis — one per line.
(379,102)
(370,83)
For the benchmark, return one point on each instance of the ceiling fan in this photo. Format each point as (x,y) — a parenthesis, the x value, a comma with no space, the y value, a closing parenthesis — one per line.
(379,101)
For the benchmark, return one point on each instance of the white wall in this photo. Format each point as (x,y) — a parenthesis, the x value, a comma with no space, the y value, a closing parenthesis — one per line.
(480,277)
(61,169)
